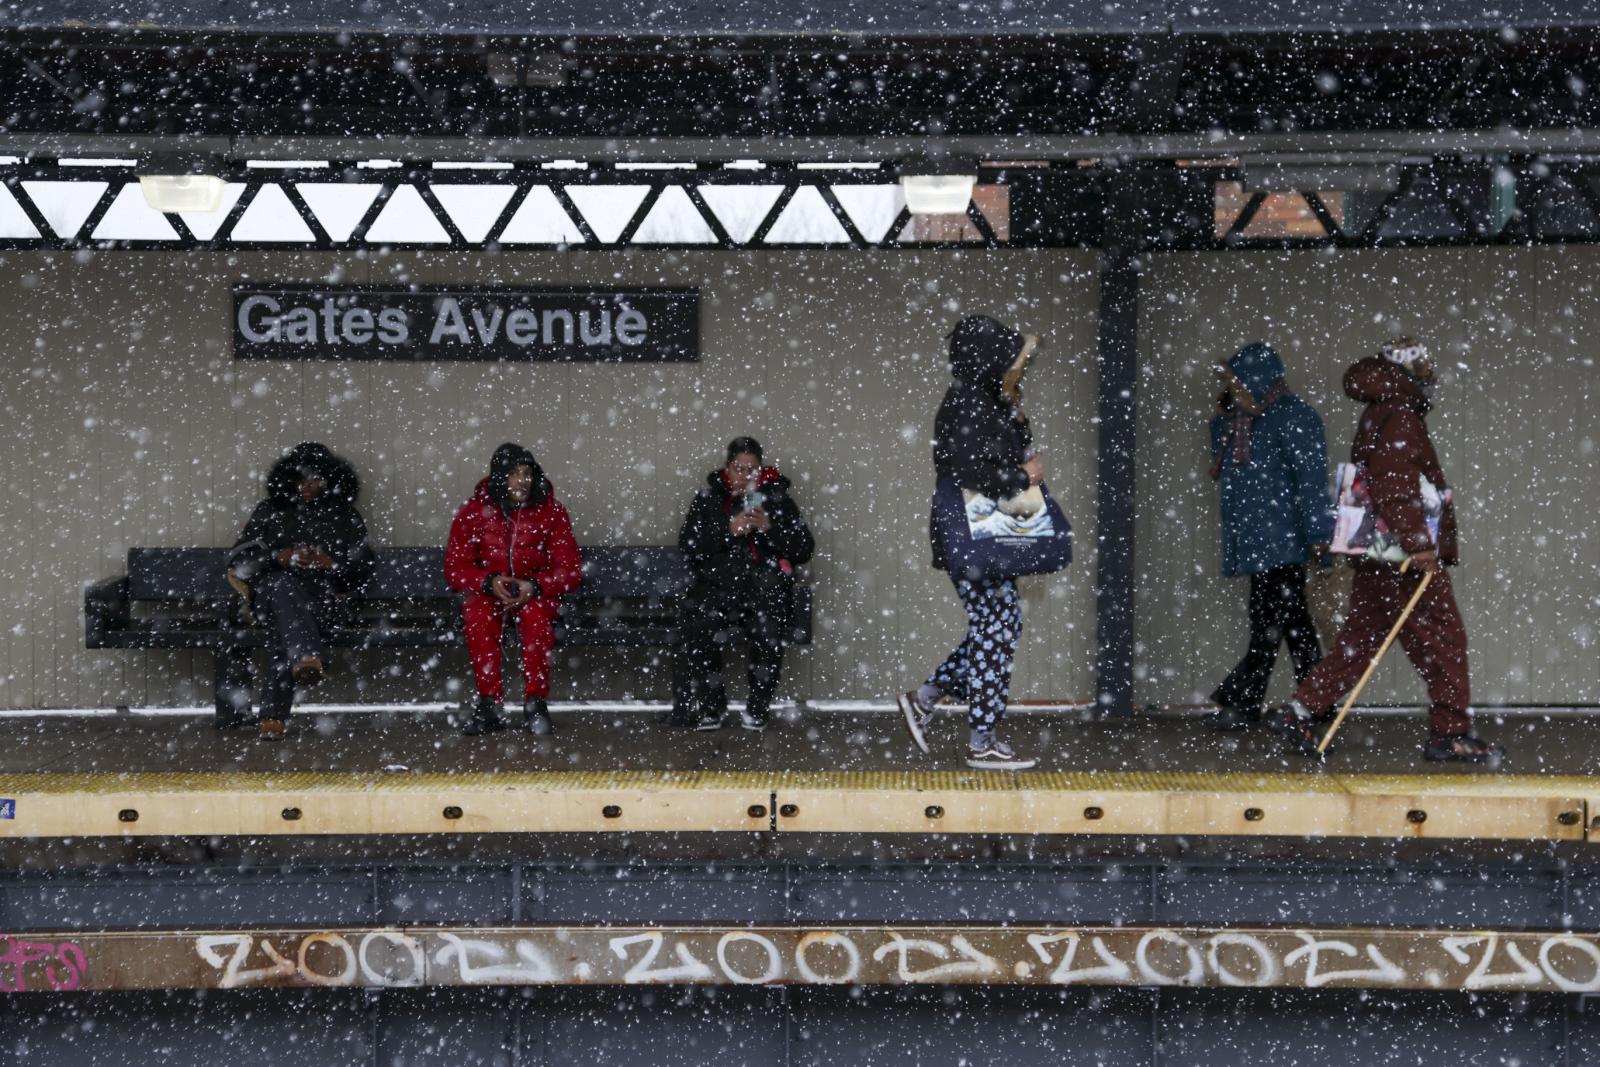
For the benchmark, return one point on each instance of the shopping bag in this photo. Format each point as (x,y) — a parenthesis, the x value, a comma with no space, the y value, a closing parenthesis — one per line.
(981,537)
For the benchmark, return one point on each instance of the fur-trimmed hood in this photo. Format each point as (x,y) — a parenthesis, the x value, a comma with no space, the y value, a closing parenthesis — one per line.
(339,480)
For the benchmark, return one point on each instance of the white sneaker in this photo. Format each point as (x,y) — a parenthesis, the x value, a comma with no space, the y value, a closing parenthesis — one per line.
(917,717)
(751,721)
(996,755)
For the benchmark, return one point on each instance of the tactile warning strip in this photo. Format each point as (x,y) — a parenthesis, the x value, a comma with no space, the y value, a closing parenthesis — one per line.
(1523,807)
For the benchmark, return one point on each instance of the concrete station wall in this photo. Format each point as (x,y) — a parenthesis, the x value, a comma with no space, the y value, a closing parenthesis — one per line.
(129,424)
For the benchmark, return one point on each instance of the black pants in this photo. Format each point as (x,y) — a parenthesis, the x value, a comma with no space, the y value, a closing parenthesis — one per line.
(294,608)
(1278,614)
(706,624)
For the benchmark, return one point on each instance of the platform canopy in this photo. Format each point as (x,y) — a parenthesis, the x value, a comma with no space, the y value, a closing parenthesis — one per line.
(1032,78)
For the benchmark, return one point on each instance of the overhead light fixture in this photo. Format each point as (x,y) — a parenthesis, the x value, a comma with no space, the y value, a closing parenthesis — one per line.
(182,181)
(938,184)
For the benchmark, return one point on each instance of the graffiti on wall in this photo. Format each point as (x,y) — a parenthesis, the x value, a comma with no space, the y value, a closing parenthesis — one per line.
(29,964)
(1308,958)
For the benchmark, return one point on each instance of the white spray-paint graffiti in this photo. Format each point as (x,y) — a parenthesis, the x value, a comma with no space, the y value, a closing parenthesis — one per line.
(754,956)
(1516,961)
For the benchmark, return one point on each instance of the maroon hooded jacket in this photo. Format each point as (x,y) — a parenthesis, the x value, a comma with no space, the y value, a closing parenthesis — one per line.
(1392,442)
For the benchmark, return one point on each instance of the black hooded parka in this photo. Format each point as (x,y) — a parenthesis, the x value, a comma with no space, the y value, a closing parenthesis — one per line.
(330,520)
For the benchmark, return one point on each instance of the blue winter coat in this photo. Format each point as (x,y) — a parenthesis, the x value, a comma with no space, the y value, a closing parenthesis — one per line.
(1277,507)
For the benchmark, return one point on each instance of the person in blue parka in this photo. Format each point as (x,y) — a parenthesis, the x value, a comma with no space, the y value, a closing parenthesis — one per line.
(1270,459)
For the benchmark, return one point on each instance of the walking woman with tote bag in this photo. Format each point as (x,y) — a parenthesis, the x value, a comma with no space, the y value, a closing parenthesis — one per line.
(992,522)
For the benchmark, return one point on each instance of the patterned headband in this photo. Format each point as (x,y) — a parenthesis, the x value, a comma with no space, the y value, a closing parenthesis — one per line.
(1404,355)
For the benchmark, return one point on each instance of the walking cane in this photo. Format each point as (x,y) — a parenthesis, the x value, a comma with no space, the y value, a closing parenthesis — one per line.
(1394,631)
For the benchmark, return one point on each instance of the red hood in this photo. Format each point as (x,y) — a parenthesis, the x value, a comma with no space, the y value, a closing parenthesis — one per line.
(480,495)
(1375,380)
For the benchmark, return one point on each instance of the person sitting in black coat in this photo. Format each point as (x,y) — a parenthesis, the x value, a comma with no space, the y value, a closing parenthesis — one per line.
(743,538)
(304,546)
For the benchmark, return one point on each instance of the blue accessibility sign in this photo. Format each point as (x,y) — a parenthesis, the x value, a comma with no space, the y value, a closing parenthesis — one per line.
(8,808)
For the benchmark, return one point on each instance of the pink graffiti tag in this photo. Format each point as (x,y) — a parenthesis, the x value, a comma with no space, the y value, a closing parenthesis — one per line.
(64,964)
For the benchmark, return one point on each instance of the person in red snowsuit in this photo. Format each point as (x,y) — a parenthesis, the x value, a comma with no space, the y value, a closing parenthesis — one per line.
(511,551)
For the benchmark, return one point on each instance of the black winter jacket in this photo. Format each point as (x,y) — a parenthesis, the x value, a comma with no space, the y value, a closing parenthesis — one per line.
(744,567)
(330,521)
(979,439)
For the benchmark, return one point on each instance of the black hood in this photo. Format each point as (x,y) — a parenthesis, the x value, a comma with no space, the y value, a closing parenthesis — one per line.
(982,349)
(507,458)
(339,481)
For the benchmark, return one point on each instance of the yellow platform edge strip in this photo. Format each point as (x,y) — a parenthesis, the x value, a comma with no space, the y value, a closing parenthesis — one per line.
(107,782)
(1524,807)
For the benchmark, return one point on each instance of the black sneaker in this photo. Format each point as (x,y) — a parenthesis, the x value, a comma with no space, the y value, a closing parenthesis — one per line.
(996,755)
(1464,748)
(536,715)
(709,720)
(485,718)
(753,720)
(916,716)
(1284,720)
(231,720)
(1232,718)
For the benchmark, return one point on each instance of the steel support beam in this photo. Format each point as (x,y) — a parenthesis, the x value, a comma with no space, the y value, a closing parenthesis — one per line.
(1362,146)
(1115,410)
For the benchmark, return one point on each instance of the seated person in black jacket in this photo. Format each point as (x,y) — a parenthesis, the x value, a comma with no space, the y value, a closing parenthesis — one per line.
(304,546)
(743,539)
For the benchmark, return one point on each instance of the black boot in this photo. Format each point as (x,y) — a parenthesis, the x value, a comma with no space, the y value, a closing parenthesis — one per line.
(485,718)
(1229,717)
(536,713)
(1463,749)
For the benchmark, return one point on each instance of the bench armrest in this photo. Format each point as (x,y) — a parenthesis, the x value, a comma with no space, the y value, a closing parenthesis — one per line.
(105,609)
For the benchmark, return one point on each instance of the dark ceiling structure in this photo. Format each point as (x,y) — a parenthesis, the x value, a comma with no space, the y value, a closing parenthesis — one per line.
(1014,69)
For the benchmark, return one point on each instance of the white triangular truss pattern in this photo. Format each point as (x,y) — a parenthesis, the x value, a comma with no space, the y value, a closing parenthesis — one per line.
(673,220)
(541,220)
(14,222)
(312,213)
(607,208)
(205,224)
(131,219)
(65,205)
(407,220)
(339,207)
(740,208)
(807,220)
(271,218)
(873,208)
(474,208)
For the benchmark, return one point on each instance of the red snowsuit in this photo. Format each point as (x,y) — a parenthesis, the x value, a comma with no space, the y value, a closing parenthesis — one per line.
(532,542)
(1392,442)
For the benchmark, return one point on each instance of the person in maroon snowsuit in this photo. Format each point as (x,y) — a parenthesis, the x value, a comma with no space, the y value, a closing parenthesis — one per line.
(1393,444)
(511,551)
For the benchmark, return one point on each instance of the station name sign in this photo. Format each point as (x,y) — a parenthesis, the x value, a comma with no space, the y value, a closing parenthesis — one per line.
(499,323)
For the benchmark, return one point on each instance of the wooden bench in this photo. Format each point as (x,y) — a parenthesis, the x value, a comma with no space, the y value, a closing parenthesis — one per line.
(179,598)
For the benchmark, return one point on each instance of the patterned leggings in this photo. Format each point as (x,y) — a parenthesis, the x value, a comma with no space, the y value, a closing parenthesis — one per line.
(979,670)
